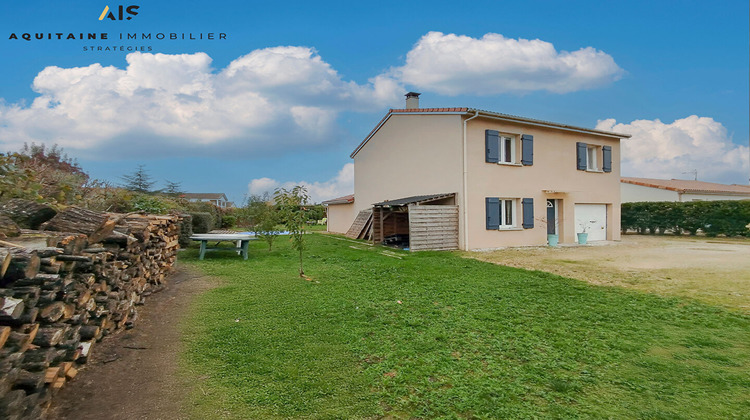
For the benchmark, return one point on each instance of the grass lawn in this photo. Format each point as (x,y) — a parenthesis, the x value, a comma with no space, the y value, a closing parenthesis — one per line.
(434,335)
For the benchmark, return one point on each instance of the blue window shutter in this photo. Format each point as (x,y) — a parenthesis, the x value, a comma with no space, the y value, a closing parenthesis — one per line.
(581,155)
(492,205)
(527,150)
(492,146)
(528,213)
(607,158)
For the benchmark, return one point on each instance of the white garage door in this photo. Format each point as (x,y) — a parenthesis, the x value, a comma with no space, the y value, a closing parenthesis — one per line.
(594,218)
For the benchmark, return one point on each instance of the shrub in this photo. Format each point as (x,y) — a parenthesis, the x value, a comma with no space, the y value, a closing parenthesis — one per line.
(203,222)
(186,230)
(728,217)
(228,221)
(150,204)
(205,207)
(102,196)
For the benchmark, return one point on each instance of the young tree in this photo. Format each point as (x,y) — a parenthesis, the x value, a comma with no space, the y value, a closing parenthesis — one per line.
(173,189)
(139,181)
(262,217)
(291,204)
(265,226)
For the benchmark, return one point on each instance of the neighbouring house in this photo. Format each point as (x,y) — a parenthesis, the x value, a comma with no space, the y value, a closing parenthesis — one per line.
(339,213)
(441,178)
(650,189)
(217,199)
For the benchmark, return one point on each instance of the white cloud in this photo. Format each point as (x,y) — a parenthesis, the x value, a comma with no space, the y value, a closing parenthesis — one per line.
(340,185)
(456,64)
(659,150)
(270,99)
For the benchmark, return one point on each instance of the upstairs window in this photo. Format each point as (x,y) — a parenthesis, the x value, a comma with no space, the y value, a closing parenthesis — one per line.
(590,156)
(504,148)
(591,161)
(507,149)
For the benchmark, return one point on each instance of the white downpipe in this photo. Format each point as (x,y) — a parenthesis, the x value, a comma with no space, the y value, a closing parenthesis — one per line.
(464,198)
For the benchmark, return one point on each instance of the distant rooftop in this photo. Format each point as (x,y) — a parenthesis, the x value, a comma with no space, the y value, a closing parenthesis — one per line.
(340,200)
(689,186)
(204,196)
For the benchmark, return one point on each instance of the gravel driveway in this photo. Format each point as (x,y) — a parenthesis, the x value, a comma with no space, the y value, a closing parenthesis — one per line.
(713,270)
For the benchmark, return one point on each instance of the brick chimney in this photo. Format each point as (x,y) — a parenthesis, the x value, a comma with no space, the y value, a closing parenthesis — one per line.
(412,100)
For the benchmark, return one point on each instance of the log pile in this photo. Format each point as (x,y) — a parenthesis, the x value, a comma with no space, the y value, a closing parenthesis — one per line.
(80,281)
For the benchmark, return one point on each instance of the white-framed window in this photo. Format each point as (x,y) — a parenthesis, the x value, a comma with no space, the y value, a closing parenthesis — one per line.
(508,213)
(507,149)
(592,163)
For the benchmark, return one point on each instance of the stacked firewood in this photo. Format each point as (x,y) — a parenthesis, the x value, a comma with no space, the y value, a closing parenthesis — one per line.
(65,286)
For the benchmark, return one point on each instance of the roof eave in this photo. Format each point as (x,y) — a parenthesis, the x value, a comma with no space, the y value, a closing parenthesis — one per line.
(548,124)
(494,115)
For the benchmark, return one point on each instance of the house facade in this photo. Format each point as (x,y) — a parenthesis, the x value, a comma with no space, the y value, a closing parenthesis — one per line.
(339,213)
(651,189)
(217,199)
(513,179)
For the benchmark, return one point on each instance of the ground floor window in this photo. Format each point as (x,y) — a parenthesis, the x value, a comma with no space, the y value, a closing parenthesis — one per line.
(501,213)
(507,213)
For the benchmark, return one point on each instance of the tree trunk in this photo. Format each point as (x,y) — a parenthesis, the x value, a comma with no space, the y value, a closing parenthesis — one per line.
(74,219)
(24,264)
(27,214)
(29,381)
(49,337)
(301,273)
(5,259)
(8,227)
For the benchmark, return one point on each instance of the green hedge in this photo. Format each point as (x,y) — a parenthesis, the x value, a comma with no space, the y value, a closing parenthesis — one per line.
(730,218)
(186,230)
(203,222)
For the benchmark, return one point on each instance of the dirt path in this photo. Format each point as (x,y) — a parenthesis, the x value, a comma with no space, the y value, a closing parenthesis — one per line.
(133,375)
(714,270)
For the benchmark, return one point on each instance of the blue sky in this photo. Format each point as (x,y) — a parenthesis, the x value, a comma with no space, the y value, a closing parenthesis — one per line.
(291,91)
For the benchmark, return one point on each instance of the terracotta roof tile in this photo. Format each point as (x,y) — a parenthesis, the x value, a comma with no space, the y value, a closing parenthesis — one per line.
(685,185)
(429,110)
(340,200)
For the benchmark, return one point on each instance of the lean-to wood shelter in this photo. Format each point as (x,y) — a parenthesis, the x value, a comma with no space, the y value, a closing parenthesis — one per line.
(423,222)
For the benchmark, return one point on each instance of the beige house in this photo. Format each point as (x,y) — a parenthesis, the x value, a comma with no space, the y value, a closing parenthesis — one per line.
(650,189)
(217,199)
(340,213)
(510,180)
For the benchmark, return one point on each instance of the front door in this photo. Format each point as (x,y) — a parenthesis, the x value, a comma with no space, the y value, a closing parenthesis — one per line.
(551,217)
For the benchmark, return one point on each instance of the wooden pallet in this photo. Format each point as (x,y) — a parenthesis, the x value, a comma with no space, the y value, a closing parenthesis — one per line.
(360,224)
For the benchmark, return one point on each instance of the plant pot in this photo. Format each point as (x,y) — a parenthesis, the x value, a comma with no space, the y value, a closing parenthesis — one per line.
(552,240)
(582,238)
